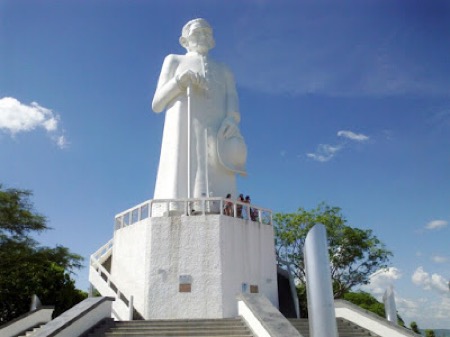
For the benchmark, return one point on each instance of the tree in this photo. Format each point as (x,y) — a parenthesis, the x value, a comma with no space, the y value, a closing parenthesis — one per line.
(17,217)
(27,268)
(354,253)
(366,301)
(414,327)
(429,333)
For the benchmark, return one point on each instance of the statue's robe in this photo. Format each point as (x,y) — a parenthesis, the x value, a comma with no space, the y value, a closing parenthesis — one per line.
(209,108)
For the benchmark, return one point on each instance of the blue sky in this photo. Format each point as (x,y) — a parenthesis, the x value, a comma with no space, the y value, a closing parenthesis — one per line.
(344,102)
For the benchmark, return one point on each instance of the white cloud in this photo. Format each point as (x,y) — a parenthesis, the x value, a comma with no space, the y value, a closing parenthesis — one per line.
(436,224)
(61,141)
(16,117)
(359,137)
(324,152)
(439,259)
(434,282)
(381,280)
(443,308)
(434,317)
(411,309)
(407,304)
(420,277)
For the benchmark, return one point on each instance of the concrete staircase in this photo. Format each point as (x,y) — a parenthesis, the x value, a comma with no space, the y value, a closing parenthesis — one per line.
(229,327)
(30,332)
(345,328)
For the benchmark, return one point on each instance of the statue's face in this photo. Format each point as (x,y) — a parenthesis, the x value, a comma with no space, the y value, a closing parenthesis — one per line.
(200,40)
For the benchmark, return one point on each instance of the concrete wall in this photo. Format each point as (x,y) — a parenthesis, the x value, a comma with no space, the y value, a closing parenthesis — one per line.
(26,322)
(189,248)
(130,253)
(248,256)
(78,319)
(263,318)
(212,254)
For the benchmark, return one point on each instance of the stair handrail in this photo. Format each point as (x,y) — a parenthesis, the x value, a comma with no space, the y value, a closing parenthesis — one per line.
(103,253)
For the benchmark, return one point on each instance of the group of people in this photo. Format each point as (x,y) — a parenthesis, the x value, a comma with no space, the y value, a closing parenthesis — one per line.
(228,208)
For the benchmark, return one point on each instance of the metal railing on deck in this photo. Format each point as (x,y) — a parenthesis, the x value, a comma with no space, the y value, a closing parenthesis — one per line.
(193,207)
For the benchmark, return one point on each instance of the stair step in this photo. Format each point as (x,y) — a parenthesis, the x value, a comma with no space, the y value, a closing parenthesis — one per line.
(177,326)
(182,335)
(175,332)
(228,327)
(32,331)
(179,329)
(146,323)
(183,321)
(345,328)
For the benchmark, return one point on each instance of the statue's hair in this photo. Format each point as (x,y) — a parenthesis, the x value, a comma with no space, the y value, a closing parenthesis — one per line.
(187,27)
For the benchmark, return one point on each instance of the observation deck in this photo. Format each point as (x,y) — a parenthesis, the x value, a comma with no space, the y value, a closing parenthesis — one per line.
(192,207)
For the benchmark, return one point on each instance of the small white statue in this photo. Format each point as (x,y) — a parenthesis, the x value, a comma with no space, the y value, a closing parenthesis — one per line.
(201,136)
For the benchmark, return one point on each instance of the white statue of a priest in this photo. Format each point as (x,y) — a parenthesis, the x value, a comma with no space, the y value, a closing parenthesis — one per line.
(202,148)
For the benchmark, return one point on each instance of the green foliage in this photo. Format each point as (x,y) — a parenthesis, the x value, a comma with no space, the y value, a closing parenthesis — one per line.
(16,214)
(366,301)
(414,327)
(27,268)
(354,253)
(302,302)
(429,333)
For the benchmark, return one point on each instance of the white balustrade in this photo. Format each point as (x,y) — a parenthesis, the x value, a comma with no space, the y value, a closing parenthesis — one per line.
(191,207)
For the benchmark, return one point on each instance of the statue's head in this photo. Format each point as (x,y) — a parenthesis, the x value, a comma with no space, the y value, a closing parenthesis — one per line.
(197,35)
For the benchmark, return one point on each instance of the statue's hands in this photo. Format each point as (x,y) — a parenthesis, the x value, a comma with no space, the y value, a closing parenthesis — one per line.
(229,129)
(188,77)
